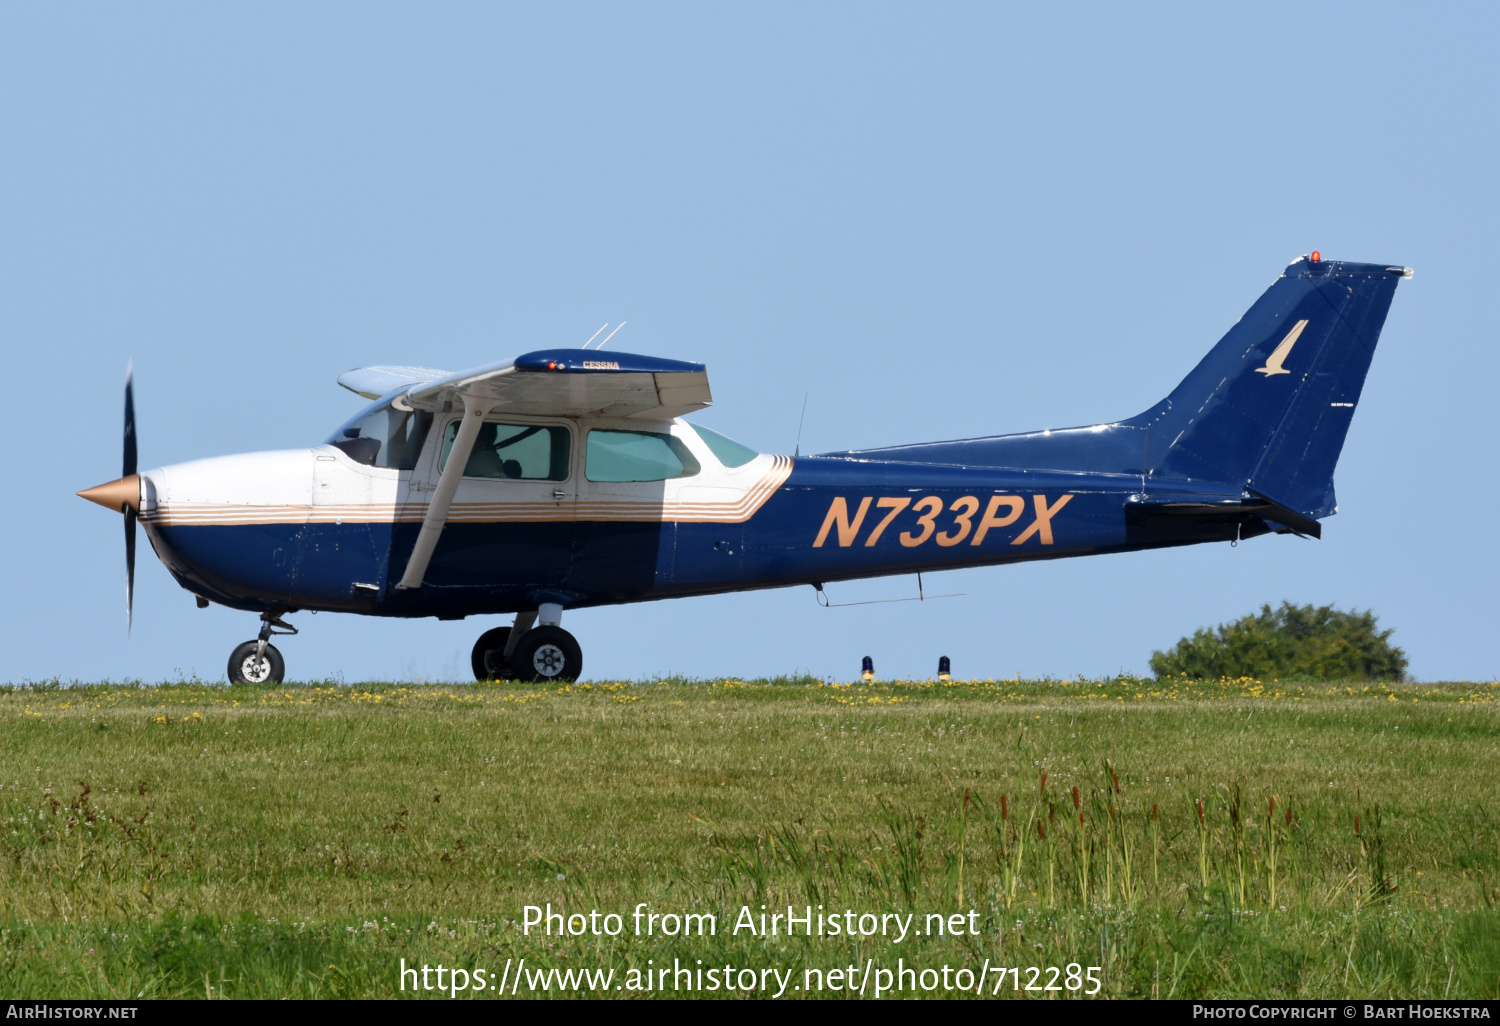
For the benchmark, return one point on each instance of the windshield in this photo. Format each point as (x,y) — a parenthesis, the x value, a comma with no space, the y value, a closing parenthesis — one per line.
(383,436)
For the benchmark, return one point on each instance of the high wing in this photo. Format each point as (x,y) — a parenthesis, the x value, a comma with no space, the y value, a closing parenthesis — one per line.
(574,383)
(374,382)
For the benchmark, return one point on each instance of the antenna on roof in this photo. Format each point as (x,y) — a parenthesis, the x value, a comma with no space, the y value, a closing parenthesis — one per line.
(611,335)
(798,450)
(596,335)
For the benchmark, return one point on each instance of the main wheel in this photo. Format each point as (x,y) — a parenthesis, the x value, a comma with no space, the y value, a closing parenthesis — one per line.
(488,657)
(243,668)
(547,654)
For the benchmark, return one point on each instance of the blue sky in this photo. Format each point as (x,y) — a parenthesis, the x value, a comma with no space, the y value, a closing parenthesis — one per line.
(936,221)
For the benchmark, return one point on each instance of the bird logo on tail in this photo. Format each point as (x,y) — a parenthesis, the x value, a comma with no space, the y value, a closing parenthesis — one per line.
(1274,364)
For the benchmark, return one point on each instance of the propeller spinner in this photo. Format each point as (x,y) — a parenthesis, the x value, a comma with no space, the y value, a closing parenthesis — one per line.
(124,496)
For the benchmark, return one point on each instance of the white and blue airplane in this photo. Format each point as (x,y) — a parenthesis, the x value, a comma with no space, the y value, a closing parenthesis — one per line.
(569,478)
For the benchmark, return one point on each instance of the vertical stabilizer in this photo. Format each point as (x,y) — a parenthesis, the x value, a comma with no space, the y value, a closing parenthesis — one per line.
(1268,408)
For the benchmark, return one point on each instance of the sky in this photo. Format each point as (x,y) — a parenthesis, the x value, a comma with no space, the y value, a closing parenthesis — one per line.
(929,221)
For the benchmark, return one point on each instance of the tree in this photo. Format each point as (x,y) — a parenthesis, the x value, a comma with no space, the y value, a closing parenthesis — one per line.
(1293,642)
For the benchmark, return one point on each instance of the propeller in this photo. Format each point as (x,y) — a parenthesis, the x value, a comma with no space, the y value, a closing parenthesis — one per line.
(124,496)
(128,470)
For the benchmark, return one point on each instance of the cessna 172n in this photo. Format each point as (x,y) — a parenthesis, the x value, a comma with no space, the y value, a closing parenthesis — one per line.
(567,478)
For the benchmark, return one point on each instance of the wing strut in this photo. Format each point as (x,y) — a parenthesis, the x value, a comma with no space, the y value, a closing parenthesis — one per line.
(437,510)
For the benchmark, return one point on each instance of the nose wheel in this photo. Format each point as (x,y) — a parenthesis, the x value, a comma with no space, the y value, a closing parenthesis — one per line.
(246,667)
(259,661)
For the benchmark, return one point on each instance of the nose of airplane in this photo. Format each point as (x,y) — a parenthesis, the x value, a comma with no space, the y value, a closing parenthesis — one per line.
(116,495)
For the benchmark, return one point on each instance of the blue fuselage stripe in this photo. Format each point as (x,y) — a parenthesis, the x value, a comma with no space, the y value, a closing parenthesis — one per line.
(833,519)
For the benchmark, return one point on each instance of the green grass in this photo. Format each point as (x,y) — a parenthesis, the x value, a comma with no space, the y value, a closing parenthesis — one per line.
(188,840)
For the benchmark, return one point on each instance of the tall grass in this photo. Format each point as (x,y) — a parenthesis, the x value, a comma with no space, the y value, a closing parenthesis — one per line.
(1238,838)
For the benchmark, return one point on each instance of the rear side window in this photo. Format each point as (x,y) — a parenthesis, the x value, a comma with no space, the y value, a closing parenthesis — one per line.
(729,452)
(519,452)
(637,456)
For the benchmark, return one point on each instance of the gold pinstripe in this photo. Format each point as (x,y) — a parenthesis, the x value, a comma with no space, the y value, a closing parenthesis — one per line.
(737,512)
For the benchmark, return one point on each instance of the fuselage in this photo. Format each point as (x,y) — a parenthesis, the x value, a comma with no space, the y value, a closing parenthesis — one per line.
(317,529)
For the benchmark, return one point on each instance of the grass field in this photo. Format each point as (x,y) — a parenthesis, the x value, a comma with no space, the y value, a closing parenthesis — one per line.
(190,840)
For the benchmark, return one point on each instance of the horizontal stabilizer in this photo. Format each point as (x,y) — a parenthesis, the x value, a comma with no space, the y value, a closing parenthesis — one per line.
(1275,512)
(1227,512)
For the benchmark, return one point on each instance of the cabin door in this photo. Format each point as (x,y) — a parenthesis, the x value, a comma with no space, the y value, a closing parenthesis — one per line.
(511,526)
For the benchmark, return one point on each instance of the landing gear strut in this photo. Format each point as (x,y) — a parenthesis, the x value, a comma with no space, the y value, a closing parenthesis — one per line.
(534,654)
(258,661)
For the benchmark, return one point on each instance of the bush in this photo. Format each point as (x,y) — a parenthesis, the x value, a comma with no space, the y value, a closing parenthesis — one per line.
(1290,643)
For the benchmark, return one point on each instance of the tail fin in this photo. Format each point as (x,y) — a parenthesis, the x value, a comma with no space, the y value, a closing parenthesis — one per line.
(1269,406)
(1266,410)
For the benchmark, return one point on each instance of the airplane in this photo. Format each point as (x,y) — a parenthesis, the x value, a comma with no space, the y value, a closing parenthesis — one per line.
(568,478)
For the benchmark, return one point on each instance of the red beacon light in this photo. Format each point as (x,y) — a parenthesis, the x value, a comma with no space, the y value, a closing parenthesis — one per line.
(1316,257)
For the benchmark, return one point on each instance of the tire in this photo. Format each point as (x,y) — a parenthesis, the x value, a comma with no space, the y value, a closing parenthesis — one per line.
(271,671)
(547,654)
(488,657)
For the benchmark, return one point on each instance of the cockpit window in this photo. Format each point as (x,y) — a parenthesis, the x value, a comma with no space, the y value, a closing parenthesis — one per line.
(522,452)
(384,437)
(637,456)
(729,452)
